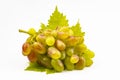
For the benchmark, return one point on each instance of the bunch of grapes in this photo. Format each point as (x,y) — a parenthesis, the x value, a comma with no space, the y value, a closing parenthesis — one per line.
(57,49)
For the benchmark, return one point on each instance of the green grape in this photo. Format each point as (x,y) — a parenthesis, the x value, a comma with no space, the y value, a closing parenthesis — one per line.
(62,35)
(60,45)
(89,53)
(32,57)
(26,49)
(44,61)
(63,55)
(89,62)
(38,48)
(32,31)
(57,65)
(74,59)
(69,51)
(54,53)
(68,64)
(80,48)
(50,41)
(80,64)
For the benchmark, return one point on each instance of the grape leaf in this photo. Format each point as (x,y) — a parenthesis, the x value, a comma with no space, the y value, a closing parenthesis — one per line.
(57,19)
(36,67)
(77,30)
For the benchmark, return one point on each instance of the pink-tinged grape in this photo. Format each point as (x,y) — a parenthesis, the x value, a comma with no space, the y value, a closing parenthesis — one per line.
(72,41)
(80,64)
(38,48)
(26,49)
(50,40)
(57,65)
(32,57)
(54,53)
(70,51)
(74,58)
(60,45)
(62,35)
(40,38)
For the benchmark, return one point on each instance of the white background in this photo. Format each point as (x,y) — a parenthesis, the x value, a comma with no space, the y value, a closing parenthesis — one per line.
(100,19)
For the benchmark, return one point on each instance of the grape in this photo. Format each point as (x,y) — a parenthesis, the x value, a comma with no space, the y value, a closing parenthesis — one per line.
(74,59)
(26,49)
(50,41)
(89,62)
(54,53)
(80,64)
(32,57)
(60,45)
(63,55)
(68,64)
(44,61)
(31,31)
(40,38)
(69,51)
(80,48)
(39,48)
(62,35)
(90,53)
(47,32)
(72,41)
(57,65)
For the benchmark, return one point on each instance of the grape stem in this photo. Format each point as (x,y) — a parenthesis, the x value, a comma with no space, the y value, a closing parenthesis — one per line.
(23,31)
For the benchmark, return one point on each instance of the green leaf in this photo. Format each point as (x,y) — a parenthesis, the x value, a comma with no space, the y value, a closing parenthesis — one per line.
(57,19)
(43,27)
(36,67)
(77,30)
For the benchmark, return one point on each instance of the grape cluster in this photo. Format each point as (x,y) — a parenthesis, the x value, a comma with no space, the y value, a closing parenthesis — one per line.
(57,49)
